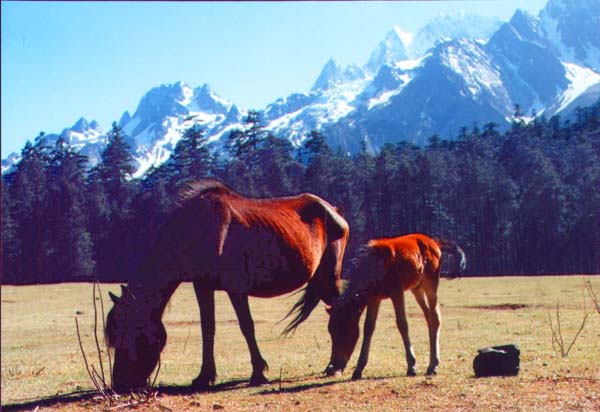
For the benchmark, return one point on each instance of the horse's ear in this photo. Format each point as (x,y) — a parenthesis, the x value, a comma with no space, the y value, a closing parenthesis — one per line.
(113,297)
(124,291)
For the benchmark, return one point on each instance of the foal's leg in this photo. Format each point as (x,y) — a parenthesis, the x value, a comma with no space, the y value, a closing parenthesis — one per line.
(370,319)
(434,330)
(402,323)
(206,302)
(431,327)
(242,310)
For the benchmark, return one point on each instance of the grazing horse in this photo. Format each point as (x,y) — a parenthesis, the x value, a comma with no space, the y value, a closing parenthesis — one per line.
(220,240)
(385,268)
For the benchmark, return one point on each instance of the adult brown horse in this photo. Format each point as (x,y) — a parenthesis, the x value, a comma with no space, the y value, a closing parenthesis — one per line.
(385,268)
(220,240)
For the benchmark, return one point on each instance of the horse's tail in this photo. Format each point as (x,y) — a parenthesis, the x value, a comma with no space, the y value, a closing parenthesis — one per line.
(459,258)
(302,308)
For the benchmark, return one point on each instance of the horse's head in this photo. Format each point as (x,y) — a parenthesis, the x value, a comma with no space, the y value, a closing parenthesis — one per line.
(344,330)
(138,337)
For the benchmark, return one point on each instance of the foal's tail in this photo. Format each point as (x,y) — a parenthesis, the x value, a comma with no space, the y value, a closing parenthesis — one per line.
(459,258)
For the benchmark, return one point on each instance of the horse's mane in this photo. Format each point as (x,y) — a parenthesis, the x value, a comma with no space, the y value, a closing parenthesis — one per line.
(196,188)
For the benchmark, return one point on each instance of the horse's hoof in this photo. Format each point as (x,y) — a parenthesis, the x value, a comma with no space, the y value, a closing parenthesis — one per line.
(431,371)
(332,371)
(202,383)
(356,376)
(258,380)
(411,372)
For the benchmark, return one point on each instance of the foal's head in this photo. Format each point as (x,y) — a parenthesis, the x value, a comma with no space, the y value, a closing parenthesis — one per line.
(344,330)
(365,275)
(138,337)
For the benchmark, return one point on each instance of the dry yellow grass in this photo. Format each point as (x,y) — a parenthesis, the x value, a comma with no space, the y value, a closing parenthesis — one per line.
(41,357)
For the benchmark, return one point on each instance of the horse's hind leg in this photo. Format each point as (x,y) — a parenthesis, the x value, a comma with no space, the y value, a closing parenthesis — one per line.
(206,302)
(370,319)
(242,310)
(433,326)
(402,323)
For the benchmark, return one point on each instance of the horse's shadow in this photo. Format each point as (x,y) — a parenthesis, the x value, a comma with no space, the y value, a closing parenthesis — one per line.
(291,385)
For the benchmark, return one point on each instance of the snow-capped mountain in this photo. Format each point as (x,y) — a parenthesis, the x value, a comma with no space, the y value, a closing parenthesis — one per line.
(456,71)
(166,111)
(456,85)
(571,28)
(392,49)
(531,74)
(88,138)
(458,25)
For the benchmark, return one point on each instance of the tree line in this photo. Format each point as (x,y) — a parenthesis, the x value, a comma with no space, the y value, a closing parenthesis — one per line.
(522,201)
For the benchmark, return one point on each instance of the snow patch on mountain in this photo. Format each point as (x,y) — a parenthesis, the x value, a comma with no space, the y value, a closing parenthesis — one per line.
(392,49)
(474,65)
(571,28)
(83,133)
(459,25)
(581,79)
(165,112)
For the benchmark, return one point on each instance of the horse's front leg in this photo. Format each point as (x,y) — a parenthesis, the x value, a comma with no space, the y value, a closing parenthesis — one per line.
(242,310)
(206,302)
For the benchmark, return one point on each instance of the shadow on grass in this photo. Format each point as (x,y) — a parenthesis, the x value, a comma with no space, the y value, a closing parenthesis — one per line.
(84,396)
(171,390)
(64,399)
(299,384)
(276,388)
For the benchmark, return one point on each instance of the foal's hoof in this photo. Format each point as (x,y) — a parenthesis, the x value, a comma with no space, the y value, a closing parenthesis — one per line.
(356,376)
(411,372)
(258,380)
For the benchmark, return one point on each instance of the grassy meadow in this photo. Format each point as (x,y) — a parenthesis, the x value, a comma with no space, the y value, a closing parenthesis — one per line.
(41,356)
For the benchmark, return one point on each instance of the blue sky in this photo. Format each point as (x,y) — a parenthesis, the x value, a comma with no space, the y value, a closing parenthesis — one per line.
(65,60)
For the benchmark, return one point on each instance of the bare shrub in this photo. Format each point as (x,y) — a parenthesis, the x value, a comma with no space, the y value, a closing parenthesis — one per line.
(592,293)
(558,342)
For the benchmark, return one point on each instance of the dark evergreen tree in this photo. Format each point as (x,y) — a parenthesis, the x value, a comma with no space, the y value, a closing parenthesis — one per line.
(70,246)
(191,158)
(111,190)
(243,144)
(11,245)
(520,201)
(385,187)
(29,194)
(116,169)
(275,170)
(314,144)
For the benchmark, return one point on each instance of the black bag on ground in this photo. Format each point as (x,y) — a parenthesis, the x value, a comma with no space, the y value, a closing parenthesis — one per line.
(497,361)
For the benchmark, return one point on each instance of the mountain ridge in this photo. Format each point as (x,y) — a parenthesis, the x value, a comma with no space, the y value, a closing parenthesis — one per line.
(542,63)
